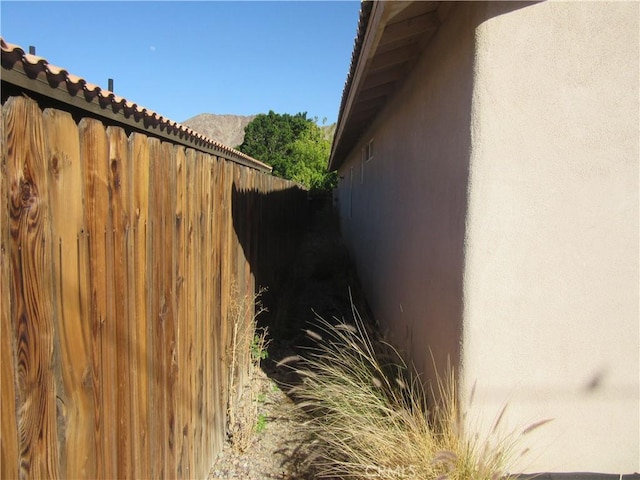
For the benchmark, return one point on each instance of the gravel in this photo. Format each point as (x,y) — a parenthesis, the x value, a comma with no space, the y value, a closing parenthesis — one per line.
(276,452)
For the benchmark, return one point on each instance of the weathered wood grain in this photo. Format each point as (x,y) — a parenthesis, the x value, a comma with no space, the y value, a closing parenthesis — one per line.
(157,309)
(94,150)
(9,428)
(168,324)
(225,228)
(239,216)
(208,295)
(32,319)
(117,257)
(120,191)
(199,314)
(70,284)
(218,402)
(139,279)
(181,388)
(191,282)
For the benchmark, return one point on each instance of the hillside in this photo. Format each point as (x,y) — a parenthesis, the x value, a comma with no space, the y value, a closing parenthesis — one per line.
(226,129)
(229,129)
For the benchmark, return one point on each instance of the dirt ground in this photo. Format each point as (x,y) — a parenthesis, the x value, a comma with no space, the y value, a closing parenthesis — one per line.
(319,283)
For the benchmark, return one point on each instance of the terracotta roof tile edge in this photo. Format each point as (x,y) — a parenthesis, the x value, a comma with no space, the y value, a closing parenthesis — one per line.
(363,22)
(34,65)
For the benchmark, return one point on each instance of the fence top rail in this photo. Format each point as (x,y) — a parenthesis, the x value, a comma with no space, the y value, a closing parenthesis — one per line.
(35,74)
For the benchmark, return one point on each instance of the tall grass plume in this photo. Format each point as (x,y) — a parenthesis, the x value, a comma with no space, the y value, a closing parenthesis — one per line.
(367,415)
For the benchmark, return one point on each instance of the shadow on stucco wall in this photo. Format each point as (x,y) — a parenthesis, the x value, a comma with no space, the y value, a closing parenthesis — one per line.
(403,213)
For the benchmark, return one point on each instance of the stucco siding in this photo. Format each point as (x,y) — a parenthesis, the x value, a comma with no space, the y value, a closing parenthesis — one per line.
(404,214)
(497,223)
(551,320)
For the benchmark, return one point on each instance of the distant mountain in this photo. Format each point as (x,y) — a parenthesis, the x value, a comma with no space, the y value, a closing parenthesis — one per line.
(229,129)
(329,131)
(226,129)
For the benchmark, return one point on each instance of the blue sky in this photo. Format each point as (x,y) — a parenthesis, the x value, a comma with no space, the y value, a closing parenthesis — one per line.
(185,58)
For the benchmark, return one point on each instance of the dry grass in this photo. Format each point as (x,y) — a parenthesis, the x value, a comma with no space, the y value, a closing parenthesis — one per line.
(366,414)
(247,349)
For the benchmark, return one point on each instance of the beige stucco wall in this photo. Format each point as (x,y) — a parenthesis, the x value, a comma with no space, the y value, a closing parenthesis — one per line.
(403,213)
(497,223)
(551,272)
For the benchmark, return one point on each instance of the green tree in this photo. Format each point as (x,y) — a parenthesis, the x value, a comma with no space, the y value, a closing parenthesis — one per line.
(293,145)
(309,157)
(268,138)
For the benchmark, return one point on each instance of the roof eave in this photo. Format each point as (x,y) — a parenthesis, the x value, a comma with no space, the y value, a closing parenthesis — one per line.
(391,36)
(371,17)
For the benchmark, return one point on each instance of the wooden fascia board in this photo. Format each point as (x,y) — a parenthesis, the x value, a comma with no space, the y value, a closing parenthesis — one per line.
(372,37)
(16,76)
(382,13)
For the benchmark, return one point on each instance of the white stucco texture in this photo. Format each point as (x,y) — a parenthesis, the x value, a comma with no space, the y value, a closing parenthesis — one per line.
(551,281)
(403,212)
(497,224)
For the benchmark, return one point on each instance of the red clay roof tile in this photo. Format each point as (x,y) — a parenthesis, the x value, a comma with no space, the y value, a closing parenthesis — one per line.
(58,77)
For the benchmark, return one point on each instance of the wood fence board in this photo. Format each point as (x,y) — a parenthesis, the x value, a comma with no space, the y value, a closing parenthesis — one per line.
(241,272)
(140,373)
(180,397)
(204,360)
(9,427)
(249,243)
(239,216)
(89,376)
(191,282)
(216,408)
(200,314)
(132,433)
(219,406)
(203,322)
(94,150)
(73,333)
(117,261)
(30,246)
(157,309)
(209,300)
(120,190)
(9,435)
(162,247)
(169,319)
(226,279)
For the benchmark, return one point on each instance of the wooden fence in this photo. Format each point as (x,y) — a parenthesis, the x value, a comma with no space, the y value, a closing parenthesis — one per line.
(116,263)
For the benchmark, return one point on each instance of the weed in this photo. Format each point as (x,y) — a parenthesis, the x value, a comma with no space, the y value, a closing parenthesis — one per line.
(261,423)
(366,414)
(248,347)
(258,345)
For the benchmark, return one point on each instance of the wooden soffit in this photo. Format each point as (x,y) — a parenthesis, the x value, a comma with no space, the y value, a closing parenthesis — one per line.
(391,36)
